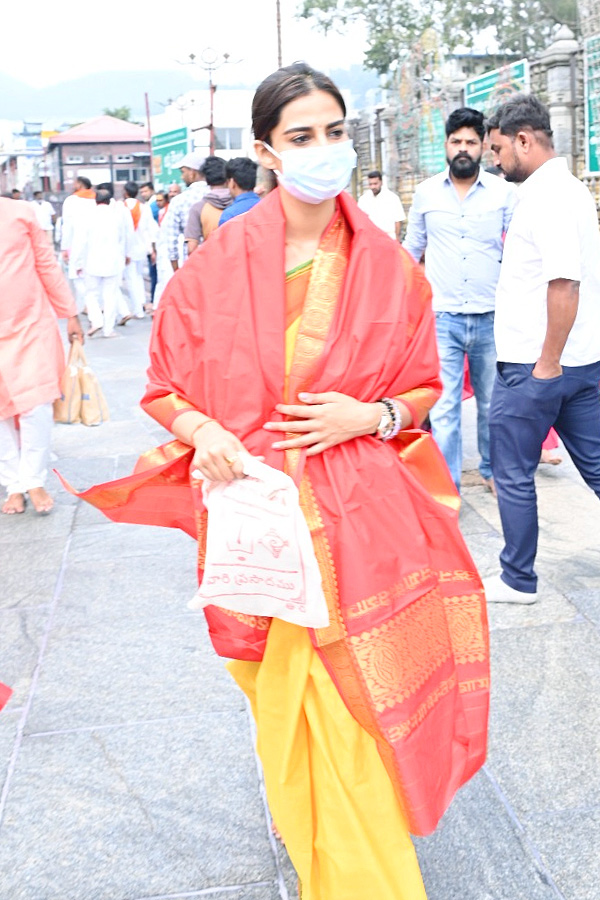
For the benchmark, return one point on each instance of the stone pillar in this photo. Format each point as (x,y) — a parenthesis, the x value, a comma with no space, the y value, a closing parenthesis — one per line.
(559,61)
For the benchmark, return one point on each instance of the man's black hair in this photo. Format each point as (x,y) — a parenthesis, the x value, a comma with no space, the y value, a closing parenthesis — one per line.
(243,171)
(522,112)
(131,189)
(103,197)
(148,184)
(107,186)
(375,174)
(213,169)
(84,181)
(465,117)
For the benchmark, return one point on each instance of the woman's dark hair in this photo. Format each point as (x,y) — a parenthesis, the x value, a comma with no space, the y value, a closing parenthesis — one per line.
(281,88)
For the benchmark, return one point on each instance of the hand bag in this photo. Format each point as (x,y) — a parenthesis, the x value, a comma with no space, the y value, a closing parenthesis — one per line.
(67,408)
(94,410)
(81,397)
(259,554)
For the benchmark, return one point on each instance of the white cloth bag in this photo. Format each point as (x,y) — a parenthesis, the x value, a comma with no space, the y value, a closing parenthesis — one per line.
(259,554)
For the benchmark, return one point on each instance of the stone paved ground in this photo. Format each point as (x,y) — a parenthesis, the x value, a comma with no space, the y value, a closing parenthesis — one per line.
(126,755)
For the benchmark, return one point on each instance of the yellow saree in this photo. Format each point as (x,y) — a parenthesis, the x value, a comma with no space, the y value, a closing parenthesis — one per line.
(328,789)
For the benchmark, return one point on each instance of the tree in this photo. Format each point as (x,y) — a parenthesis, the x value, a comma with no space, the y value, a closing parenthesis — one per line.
(119,112)
(511,27)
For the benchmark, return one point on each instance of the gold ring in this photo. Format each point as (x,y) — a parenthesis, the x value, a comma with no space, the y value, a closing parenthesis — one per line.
(231,459)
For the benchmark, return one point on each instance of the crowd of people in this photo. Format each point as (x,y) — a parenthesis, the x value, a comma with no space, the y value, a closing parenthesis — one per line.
(308,337)
(107,243)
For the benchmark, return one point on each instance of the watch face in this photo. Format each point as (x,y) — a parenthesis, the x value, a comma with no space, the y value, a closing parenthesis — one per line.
(385,424)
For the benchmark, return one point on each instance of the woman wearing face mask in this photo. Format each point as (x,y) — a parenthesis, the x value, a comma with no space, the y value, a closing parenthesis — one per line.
(301,333)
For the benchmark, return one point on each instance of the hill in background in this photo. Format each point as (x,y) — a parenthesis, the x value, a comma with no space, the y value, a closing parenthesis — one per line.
(82,98)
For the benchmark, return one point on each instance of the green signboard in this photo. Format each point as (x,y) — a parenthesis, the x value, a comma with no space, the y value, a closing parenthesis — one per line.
(592,105)
(432,153)
(168,149)
(488,91)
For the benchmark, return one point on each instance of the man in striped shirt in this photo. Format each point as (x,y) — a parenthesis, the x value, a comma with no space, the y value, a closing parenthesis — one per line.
(179,207)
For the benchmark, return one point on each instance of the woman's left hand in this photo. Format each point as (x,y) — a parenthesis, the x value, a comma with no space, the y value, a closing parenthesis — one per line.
(324,420)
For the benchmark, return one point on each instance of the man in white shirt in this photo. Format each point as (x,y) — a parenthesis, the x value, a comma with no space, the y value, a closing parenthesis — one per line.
(383,207)
(145,231)
(547,332)
(76,208)
(458,218)
(45,214)
(99,253)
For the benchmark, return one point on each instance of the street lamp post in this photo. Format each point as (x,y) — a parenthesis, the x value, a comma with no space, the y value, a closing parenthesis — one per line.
(209,61)
(278,17)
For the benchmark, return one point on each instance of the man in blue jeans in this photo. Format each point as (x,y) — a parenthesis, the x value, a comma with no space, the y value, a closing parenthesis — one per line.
(458,219)
(547,334)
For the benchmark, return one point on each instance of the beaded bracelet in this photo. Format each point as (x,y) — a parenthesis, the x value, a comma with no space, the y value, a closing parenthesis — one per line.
(397,420)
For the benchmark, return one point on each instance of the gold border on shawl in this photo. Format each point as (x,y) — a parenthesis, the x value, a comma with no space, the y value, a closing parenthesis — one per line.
(324,288)
(166,409)
(327,276)
(332,643)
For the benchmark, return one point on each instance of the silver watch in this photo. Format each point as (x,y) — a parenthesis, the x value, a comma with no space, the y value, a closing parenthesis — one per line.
(386,425)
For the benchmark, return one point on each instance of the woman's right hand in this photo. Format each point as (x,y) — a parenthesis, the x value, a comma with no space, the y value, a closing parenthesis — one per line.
(217,455)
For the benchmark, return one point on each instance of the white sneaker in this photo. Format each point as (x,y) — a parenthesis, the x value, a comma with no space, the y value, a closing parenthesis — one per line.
(497,591)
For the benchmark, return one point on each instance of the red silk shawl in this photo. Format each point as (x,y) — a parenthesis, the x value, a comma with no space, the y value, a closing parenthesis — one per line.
(407,646)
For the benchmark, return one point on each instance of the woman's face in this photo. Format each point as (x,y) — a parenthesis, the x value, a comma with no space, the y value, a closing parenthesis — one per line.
(313,120)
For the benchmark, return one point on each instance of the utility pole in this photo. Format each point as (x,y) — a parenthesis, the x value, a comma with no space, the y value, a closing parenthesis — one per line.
(278,16)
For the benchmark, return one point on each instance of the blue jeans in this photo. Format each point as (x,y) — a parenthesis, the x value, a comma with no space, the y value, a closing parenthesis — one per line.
(522,412)
(458,335)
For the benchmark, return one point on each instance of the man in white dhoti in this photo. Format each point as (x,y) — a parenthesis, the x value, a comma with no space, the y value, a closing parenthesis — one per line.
(75,210)
(142,245)
(99,253)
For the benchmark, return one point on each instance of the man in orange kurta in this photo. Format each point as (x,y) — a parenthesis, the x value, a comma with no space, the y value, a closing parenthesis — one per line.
(34,295)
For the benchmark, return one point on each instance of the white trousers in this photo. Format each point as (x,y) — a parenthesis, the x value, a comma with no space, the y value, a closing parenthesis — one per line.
(25,451)
(164,273)
(134,280)
(78,290)
(102,294)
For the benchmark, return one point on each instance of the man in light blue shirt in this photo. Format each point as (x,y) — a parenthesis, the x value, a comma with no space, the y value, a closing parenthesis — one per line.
(458,219)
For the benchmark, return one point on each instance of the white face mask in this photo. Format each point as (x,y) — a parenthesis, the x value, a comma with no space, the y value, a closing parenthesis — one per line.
(317,173)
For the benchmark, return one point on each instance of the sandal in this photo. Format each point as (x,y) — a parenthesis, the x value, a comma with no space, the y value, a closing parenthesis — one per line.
(125,320)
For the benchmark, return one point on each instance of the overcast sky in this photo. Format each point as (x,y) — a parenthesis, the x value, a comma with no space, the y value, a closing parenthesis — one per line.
(66,39)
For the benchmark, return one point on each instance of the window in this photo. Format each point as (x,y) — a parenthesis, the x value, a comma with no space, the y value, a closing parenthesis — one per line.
(136,175)
(228,138)
(74,160)
(98,159)
(124,159)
